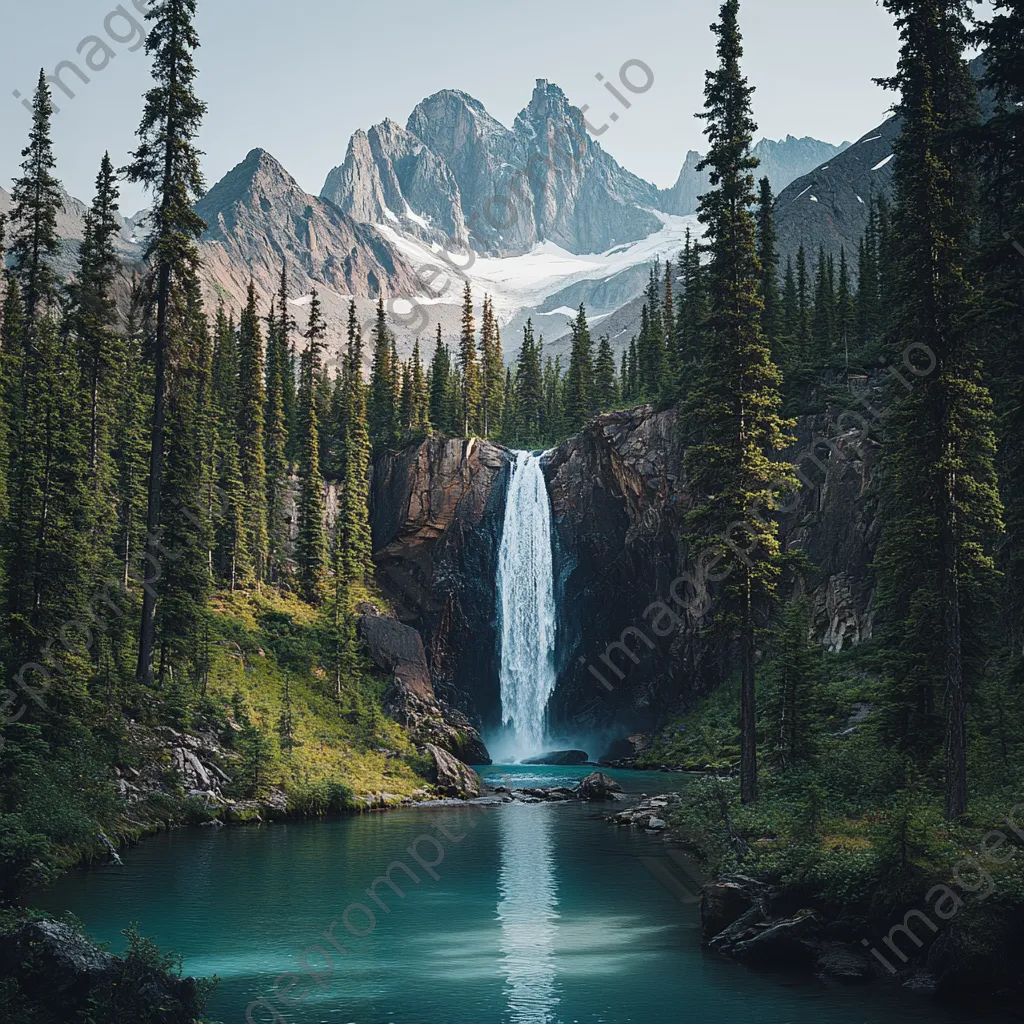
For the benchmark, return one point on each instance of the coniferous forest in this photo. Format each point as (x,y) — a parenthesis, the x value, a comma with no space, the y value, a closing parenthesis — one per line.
(191,493)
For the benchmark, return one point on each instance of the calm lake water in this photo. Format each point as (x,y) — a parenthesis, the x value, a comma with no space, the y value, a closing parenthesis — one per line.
(539,914)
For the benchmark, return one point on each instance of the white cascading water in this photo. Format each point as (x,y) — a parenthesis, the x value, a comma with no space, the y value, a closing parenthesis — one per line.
(526,599)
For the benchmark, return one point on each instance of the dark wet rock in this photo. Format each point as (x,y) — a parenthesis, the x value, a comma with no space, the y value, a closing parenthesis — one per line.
(428,720)
(843,962)
(598,786)
(559,757)
(547,794)
(625,749)
(922,981)
(728,899)
(782,943)
(57,968)
(437,511)
(450,776)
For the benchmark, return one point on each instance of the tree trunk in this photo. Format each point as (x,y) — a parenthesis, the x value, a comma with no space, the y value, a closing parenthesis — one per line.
(147,631)
(956,699)
(748,709)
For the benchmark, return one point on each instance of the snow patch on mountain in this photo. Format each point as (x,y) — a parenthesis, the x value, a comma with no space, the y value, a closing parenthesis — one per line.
(517,283)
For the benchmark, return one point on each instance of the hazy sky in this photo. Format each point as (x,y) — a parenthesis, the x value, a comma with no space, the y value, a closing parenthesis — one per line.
(297,78)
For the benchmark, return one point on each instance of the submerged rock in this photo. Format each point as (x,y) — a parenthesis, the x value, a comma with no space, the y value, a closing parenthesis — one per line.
(559,757)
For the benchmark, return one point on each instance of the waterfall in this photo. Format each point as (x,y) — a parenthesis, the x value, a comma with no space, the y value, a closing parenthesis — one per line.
(526,598)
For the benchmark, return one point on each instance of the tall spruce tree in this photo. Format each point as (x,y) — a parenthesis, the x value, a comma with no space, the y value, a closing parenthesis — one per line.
(442,414)
(36,200)
(469,369)
(1001,145)
(492,370)
(381,411)
(529,392)
(276,446)
(231,554)
(941,507)
(252,456)
(311,545)
(167,164)
(352,532)
(768,254)
(579,399)
(606,392)
(733,412)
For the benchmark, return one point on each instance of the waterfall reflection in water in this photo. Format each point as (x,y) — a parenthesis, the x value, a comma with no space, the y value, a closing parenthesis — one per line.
(527,912)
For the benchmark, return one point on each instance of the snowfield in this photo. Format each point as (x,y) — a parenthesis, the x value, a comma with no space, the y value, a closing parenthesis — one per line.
(523,282)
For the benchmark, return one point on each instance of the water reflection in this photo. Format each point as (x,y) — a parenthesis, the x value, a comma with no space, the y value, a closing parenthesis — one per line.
(527,912)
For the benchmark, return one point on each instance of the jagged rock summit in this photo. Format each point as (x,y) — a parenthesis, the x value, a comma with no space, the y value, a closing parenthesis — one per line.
(456,174)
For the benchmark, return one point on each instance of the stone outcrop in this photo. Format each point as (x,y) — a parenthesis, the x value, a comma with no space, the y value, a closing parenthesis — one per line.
(450,776)
(559,757)
(397,649)
(437,512)
(597,786)
(618,494)
(410,700)
(58,969)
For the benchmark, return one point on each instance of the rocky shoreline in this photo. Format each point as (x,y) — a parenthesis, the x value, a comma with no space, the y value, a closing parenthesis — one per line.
(774,925)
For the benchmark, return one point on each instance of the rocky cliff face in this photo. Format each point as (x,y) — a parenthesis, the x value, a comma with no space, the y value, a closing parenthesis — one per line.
(437,512)
(258,217)
(626,655)
(618,495)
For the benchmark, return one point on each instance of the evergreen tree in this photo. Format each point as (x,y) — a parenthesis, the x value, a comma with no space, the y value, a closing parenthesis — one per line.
(579,398)
(352,530)
(803,294)
(92,319)
(420,395)
(381,410)
(252,456)
(792,679)
(528,428)
(1001,146)
(635,394)
(441,411)
(231,555)
(789,316)
(734,409)
(36,200)
(492,371)
(941,509)
(182,624)
(167,163)
(285,368)
(767,253)
(469,369)
(311,545)
(845,312)
(606,396)
(130,443)
(823,328)
(276,445)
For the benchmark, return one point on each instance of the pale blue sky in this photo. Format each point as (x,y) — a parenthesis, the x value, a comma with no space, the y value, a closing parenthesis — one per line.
(298,78)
